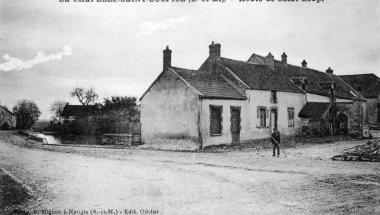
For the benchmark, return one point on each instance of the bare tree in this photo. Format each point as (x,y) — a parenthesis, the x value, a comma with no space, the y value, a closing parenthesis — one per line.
(85,97)
(57,108)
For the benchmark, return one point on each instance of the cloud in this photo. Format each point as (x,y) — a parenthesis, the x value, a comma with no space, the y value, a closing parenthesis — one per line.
(13,63)
(148,28)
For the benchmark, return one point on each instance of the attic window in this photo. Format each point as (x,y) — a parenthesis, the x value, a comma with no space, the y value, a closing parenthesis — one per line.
(301,82)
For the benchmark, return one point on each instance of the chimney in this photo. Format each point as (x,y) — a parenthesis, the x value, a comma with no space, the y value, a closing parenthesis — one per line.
(214,50)
(304,63)
(330,71)
(269,60)
(167,58)
(284,58)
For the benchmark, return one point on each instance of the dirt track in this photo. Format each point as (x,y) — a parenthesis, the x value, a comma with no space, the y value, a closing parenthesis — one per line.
(305,182)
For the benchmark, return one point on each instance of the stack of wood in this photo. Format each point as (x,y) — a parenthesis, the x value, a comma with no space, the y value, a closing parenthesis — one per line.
(366,152)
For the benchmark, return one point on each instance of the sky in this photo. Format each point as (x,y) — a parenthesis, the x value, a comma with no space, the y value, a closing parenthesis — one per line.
(47,47)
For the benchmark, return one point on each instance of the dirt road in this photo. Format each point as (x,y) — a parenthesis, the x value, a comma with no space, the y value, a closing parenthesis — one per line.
(85,179)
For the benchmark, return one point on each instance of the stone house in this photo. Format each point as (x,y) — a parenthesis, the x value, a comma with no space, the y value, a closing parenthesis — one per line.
(7,119)
(229,101)
(369,86)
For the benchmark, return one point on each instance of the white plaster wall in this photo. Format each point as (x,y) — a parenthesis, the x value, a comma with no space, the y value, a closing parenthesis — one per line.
(169,110)
(226,137)
(249,120)
(284,100)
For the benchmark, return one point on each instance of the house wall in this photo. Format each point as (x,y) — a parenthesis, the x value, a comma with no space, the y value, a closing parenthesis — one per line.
(284,100)
(6,117)
(169,111)
(226,137)
(249,121)
(372,111)
(355,115)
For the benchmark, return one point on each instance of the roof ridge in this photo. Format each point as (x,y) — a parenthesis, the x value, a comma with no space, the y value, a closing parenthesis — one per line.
(258,64)
(193,70)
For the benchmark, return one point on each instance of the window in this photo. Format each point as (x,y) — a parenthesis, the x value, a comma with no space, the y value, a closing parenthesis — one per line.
(261,117)
(273,96)
(290,117)
(216,120)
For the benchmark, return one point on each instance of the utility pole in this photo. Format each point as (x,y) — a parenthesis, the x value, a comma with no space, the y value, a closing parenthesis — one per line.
(333,107)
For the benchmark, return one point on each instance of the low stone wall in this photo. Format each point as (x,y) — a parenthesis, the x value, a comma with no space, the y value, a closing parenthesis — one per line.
(118,139)
(170,144)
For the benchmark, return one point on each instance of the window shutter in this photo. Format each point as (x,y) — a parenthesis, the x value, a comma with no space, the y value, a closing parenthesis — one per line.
(267,117)
(258,117)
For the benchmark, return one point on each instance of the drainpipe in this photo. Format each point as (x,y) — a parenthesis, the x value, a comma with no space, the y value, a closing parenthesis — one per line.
(200,144)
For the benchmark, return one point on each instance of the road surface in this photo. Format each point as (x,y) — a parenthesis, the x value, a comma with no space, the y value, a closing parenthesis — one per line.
(159,182)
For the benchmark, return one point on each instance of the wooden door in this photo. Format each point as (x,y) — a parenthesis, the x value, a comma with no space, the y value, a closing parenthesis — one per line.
(273,119)
(235,124)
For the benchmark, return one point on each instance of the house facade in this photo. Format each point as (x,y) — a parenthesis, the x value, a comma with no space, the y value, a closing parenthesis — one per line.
(7,119)
(229,101)
(369,86)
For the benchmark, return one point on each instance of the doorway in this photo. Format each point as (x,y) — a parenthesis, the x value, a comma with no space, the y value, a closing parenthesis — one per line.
(342,124)
(235,124)
(273,119)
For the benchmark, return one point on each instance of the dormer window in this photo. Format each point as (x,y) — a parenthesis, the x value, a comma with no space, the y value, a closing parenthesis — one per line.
(273,96)
(301,82)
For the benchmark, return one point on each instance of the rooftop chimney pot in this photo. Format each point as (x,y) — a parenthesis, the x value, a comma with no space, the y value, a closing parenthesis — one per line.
(167,61)
(214,50)
(304,63)
(284,58)
(330,71)
(269,60)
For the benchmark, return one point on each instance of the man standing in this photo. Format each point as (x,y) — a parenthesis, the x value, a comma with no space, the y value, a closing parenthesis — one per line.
(275,138)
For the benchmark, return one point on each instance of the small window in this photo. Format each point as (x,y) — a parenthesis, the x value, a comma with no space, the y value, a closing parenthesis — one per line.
(262,116)
(273,96)
(290,117)
(216,120)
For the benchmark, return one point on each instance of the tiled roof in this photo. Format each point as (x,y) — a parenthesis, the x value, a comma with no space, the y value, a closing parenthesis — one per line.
(209,84)
(314,110)
(369,84)
(259,76)
(77,110)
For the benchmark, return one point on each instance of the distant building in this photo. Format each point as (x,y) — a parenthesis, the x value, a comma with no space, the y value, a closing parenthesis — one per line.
(229,101)
(7,119)
(73,112)
(369,86)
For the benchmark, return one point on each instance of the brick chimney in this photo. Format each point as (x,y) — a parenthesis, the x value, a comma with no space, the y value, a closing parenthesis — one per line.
(304,64)
(330,71)
(284,58)
(269,60)
(167,62)
(214,50)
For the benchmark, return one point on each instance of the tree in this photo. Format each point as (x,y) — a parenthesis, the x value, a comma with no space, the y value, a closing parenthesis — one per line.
(27,113)
(57,108)
(119,114)
(120,103)
(85,97)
